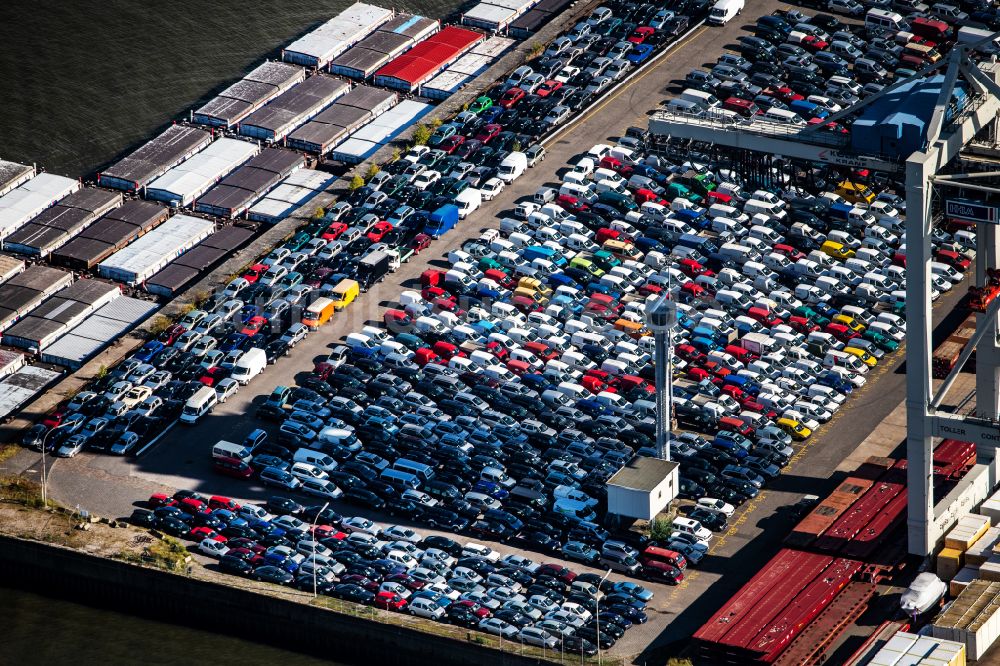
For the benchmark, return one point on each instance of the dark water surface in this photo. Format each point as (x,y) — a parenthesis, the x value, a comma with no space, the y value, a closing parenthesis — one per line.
(81,82)
(42,630)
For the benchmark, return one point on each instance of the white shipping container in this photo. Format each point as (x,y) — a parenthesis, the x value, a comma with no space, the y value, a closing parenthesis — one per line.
(445,84)
(148,254)
(18,206)
(22,386)
(328,41)
(471,63)
(489,17)
(189,180)
(354,151)
(493,47)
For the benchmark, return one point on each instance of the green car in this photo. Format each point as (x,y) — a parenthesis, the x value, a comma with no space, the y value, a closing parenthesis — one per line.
(480,104)
(298,241)
(881,341)
(442,133)
(676,189)
(811,315)
(489,263)
(605,260)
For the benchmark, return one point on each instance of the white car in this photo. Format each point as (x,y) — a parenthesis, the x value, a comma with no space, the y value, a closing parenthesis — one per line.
(717,505)
(519,561)
(72,446)
(558,114)
(290,523)
(848,7)
(497,627)
(321,488)
(212,548)
(226,388)
(399,533)
(491,188)
(305,471)
(538,637)
(359,524)
(426,179)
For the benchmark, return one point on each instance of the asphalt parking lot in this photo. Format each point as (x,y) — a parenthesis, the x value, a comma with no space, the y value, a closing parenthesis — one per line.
(181,459)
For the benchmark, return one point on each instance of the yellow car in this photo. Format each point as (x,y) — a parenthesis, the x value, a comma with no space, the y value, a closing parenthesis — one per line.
(836,250)
(796,430)
(850,322)
(867,358)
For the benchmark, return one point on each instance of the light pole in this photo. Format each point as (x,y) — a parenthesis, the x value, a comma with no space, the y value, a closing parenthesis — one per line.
(318,514)
(45,474)
(597,613)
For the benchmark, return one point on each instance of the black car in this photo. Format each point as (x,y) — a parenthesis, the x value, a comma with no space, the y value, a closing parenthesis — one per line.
(283,506)
(143,518)
(713,520)
(591,635)
(235,565)
(272,574)
(172,526)
(352,592)
(363,497)
(579,645)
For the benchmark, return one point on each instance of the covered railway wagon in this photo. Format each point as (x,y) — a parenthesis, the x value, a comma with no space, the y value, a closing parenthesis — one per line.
(250,93)
(109,234)
(184,269)
(22,293)
(62,311)
(187,181)
(391,39)
(294,107)
(145,257)
(235,193)
(106,325)
(532,20)
(827,511)
(466,68)
(288,196)
(23,203)
(154,158)
(13,174)
(344,116)
(319,47)
(868,508)
(418,65)
(367,140)
(58,224)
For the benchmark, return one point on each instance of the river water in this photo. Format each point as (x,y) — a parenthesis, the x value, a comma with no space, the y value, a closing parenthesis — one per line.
(81,82)
(41,630)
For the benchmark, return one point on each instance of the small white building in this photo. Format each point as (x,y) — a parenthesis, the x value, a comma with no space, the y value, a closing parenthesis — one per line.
(643,488)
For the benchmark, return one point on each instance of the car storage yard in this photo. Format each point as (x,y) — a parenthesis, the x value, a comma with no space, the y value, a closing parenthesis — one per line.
(107,485)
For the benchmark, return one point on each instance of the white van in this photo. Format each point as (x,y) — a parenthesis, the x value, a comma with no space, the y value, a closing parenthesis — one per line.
(224,449)
(251,364)
(692,527)
(469,201)
(703,99)
(784,117)
(755,206)
(877,20)
(512,167)
(320,460)
(724,11)
(201,403)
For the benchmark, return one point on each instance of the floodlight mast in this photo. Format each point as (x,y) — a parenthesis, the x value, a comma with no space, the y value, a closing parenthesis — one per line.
(946,137)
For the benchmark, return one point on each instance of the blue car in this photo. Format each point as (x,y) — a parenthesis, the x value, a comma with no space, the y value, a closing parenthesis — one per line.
(279,560)
(492,489)
(591,406)
(149,351)
(727,445)
(234,341)
(536,381)
(640,53)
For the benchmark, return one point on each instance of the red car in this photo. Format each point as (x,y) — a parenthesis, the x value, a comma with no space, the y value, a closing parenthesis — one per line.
(379,231)
(511,98)
(200,533)
(475,608)
(420,242)
(452,143)
(786,94)
(571,203)
(254,326)
(361,581)
(692,268)
(802,325)
(814,44)
(789,251)
(213,376)
(489,132)
(556,571)
(593,384)
(222,502)
(254,272)
(333,232)
(548,88)
(390,601)
(169,336)
(327,532)
(54,418)
(641,34)
(157,500)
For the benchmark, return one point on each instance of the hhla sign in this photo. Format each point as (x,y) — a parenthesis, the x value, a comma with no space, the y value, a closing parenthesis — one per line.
(970,211)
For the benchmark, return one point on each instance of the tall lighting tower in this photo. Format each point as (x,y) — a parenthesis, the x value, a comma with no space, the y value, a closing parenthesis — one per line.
(661,317)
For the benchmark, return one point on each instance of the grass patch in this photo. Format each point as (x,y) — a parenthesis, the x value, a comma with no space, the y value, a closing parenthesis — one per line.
(8,451)
(164,553)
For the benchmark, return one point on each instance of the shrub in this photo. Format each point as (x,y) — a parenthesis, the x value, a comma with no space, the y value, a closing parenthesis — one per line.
(421,135)
(356,182)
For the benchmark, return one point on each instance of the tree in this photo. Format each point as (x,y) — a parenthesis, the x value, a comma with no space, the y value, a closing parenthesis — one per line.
(437,122)
(421,135)
(536,49)
(356,182)
(660,529)
(372,170)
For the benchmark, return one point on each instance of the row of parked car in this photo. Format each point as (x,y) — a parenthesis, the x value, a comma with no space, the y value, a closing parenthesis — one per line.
(356,243)
(395,568)
(798,69)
